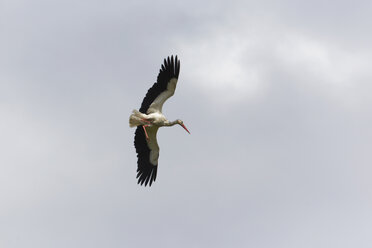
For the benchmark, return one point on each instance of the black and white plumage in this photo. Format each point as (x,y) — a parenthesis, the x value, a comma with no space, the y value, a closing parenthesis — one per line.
(149,118)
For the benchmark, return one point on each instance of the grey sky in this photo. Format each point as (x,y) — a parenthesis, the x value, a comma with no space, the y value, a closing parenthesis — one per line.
(276,96)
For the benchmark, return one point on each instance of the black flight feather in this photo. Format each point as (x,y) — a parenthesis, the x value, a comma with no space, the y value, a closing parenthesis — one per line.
(170,69)
(145,169)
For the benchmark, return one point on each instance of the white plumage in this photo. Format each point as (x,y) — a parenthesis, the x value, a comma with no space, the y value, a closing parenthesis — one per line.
(149,118)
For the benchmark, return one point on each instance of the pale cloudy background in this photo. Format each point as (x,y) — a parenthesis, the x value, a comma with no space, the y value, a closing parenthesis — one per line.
(276,95)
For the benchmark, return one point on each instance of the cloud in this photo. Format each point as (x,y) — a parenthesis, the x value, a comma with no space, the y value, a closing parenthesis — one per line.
(235,59)
(215,65)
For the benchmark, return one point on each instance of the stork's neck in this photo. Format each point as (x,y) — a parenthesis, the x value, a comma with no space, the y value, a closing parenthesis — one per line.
(171,123)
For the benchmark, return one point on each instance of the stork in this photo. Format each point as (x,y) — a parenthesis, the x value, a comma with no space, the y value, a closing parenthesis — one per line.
(149,118)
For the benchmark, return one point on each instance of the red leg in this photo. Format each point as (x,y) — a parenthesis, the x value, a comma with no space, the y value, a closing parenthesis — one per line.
(144,129)
(149,122)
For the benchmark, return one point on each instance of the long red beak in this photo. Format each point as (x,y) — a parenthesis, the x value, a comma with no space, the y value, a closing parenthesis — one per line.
(185,128)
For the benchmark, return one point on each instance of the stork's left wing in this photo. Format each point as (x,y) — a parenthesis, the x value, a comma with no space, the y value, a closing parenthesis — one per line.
(163,88)
(147,153)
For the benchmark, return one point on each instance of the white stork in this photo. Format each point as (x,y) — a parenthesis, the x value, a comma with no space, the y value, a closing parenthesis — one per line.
(149,118)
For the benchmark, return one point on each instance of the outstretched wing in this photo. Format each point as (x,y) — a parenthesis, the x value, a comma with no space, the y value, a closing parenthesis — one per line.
(163,88)
(147,153)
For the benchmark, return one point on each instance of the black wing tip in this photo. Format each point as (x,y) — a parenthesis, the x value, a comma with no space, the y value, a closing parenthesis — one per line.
(171,66)
(147,175)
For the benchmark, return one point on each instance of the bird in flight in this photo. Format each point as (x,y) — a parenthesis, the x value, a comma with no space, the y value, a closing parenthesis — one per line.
(150,117)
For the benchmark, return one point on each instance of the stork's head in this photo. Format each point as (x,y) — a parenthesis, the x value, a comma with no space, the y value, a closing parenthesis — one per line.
(180,122)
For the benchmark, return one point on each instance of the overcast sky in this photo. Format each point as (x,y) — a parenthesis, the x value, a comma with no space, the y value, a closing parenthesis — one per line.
(276,95)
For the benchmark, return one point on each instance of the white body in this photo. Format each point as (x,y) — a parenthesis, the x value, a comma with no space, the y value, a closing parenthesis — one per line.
(137,119)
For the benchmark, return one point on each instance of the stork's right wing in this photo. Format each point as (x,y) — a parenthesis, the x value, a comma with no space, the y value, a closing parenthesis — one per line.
(163,88)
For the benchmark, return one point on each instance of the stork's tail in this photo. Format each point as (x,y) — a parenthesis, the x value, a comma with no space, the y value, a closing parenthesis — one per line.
(136,119)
